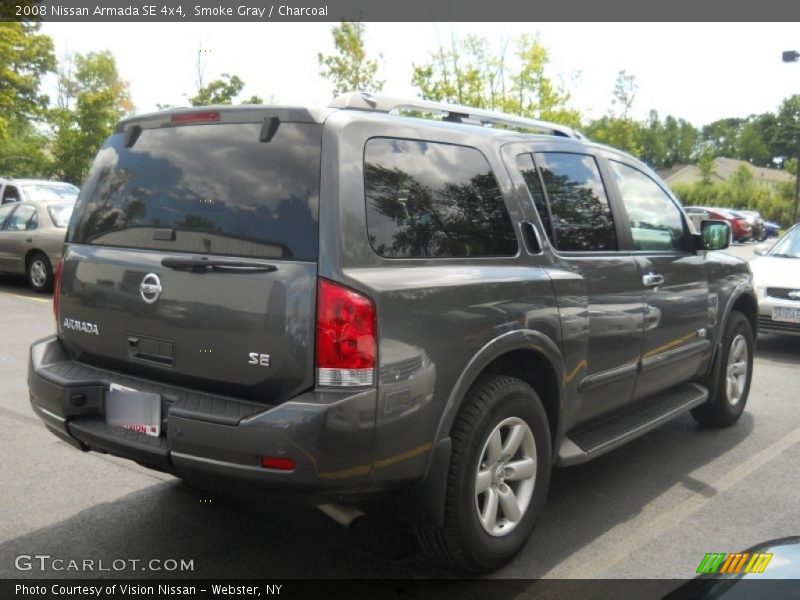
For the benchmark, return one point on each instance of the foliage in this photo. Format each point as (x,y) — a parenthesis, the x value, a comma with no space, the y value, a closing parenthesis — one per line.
(26,56)
(786,136)
(624,134)
(740,191)
(705,164)
(100,99)
(472,73)
(22,153)
(219,91)
(349,69)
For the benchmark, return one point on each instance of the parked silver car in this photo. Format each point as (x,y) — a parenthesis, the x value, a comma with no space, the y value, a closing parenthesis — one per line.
(31,238)
(776,275)
(36,190)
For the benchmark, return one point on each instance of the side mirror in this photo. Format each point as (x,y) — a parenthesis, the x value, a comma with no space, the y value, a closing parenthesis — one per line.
(762,249)
(714,235)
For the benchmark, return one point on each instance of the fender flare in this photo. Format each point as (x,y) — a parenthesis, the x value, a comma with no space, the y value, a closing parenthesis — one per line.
(427,498)
(522,339)
(744,288)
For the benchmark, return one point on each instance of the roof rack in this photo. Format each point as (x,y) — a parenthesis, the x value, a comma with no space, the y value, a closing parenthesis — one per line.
(450,112)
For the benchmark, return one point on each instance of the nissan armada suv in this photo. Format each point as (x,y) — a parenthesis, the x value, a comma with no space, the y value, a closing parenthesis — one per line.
(356,303)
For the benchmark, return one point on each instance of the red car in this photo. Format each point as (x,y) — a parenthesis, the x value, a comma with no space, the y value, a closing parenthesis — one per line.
(741,229)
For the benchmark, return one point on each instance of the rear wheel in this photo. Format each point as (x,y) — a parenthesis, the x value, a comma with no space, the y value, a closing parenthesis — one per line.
(730,383)
(40,273)
(498,477)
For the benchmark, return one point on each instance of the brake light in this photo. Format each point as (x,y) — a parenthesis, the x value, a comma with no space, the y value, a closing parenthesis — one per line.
(346,345)
(195,117)
(57,288)
(281,463)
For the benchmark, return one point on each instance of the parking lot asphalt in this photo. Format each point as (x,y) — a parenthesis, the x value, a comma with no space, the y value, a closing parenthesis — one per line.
(650,509)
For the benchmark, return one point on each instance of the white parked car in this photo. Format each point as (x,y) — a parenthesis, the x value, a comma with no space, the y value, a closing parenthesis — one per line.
(776,276)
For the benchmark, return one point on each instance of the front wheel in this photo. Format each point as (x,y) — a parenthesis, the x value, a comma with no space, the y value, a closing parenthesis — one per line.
(40,273)
(730,383)
(498,477)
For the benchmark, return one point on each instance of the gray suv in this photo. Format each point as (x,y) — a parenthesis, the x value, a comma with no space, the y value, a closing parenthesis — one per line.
(356,303)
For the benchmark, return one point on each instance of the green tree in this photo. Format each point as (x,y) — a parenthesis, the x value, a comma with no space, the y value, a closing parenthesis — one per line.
(786,140)
(681,139)
(95,100)
(617,128)
(624,134)
(653,147)
(720,136)
(741,189)
(705,164)
(462,75)
(751,144)
(625,88)
(26,56)
(472,73)
(219,91)
(349,69)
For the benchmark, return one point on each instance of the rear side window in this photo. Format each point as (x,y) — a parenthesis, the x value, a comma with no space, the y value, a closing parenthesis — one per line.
(24,219)
(429,200)
(581,216)
(60,214)
(217,187)
(4,212)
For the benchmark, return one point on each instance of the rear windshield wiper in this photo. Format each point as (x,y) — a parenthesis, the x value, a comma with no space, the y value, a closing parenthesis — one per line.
(218,264)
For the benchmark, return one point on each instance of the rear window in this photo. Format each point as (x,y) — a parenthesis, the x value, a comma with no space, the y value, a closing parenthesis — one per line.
(428,199)
(60,214)
(47,192)
(206,189)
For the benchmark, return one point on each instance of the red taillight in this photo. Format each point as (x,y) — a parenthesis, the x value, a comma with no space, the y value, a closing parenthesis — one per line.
(281,463)
(195,117)
(346,345)
(57,287)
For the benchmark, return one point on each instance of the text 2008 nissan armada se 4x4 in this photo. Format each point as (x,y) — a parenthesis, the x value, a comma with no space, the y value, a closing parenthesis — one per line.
(353,303)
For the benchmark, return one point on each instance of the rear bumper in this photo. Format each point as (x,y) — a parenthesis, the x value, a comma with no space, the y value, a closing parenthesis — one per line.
(215,442)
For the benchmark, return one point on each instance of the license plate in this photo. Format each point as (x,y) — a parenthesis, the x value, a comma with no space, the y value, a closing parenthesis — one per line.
(786,314)
(134,410)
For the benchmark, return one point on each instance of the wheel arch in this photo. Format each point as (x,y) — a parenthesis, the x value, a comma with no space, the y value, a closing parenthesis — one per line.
(511,353)
(527,354)
(742,300)
(31,252)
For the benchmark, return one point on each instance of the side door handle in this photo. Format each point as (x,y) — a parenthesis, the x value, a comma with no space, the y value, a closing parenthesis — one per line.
(652,279)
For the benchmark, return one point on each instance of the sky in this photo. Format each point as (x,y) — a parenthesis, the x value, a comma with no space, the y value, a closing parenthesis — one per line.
(697,71)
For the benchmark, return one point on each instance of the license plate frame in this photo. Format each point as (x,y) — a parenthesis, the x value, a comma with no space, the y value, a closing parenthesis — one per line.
(133,409)
(786,314)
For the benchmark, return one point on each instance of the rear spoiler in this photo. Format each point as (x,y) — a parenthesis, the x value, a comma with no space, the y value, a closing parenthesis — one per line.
(227,114)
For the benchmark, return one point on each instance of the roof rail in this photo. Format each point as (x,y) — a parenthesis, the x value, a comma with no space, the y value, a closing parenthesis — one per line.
(451,112)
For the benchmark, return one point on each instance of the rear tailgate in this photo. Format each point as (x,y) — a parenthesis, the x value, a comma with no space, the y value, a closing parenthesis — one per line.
(147,282)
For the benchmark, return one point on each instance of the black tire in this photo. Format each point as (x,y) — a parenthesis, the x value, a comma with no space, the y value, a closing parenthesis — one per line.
(723,408)
(39,272)
(462,542)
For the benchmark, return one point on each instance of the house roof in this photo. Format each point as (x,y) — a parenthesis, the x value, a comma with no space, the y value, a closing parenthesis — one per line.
(724,168)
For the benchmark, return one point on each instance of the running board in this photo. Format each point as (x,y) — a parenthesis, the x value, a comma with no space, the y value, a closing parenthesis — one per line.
(592,440)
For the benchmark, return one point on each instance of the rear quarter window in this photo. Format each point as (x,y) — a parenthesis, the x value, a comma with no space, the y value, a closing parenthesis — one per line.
(433,200)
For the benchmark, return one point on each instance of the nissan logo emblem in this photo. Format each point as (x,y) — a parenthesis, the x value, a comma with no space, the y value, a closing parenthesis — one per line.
(150,288)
